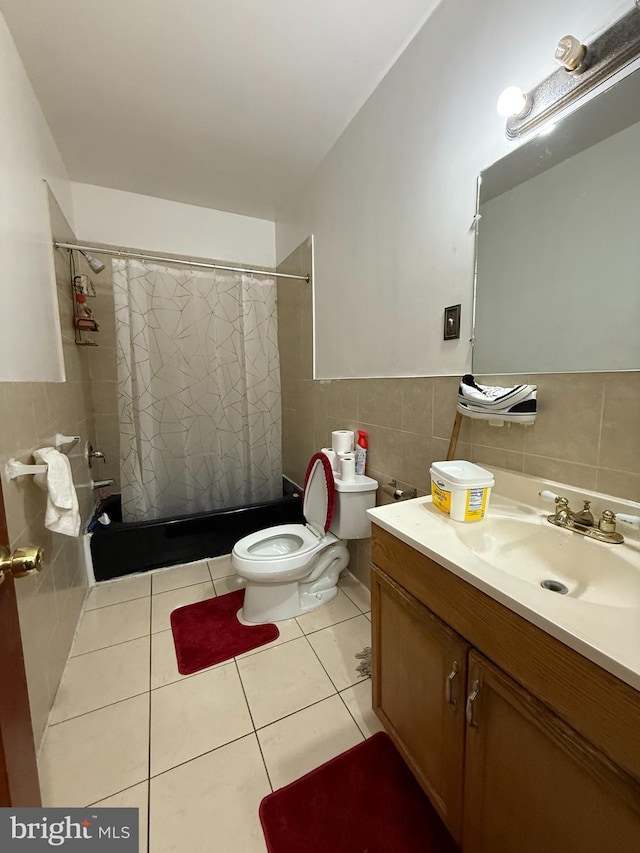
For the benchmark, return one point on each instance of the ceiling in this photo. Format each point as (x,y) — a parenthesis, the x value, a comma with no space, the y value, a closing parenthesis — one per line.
(227,104)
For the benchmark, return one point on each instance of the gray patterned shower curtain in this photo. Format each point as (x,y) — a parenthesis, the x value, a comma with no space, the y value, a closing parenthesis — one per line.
(198,389)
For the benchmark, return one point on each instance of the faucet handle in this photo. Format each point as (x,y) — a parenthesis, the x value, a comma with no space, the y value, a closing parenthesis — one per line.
(563,514)
(607,522)
(548,496)
(91,455)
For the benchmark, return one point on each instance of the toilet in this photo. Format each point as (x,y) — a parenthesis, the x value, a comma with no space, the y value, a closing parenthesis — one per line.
(290,569)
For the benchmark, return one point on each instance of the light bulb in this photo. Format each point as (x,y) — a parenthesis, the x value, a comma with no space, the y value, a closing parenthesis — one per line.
(513,102)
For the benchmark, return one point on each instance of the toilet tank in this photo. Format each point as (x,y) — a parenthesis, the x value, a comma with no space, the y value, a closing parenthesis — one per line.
(353,499)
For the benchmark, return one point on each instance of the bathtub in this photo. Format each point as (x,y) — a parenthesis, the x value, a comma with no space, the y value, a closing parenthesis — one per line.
(123,549)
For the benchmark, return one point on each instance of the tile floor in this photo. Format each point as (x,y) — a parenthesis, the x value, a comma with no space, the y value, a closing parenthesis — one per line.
(197,753)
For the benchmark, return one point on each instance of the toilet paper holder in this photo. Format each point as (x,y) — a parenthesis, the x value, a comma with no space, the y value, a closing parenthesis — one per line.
(399,494)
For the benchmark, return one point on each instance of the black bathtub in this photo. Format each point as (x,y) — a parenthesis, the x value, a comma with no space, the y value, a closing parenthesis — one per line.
(140,546)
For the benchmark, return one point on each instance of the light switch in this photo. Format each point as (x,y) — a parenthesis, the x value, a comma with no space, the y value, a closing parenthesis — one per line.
(452,322)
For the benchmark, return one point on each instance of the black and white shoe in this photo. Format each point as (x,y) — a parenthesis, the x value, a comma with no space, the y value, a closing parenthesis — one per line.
(496,404)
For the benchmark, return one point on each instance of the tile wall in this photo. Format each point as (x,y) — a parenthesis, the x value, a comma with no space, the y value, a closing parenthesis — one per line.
(585,433)
(50,602)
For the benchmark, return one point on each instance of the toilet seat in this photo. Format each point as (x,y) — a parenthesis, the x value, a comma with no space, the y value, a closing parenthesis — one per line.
(253,561)
(287,551)
(278,567)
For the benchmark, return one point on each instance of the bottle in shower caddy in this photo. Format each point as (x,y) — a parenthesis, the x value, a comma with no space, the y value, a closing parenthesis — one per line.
(361,451)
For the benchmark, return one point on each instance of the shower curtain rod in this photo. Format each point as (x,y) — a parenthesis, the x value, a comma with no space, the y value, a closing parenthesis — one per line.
(122,253)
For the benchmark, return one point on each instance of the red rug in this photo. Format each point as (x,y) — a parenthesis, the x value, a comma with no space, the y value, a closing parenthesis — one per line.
(364,801)
(208,632)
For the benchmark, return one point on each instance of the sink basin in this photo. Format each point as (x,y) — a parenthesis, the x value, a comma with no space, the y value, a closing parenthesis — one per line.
(514,550)
(560,561)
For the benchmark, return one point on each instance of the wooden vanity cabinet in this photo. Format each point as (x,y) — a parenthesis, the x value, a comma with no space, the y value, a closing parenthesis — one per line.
(531,784)
(419,687)
(506,772)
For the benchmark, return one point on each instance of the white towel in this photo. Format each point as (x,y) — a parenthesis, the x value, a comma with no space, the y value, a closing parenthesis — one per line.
(63,512)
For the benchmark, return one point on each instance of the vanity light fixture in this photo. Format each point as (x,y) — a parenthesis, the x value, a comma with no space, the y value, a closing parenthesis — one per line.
(547,129)
(514,102)
(584,67)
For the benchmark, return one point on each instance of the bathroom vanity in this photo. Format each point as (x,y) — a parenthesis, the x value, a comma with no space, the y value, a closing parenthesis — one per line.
(520,723)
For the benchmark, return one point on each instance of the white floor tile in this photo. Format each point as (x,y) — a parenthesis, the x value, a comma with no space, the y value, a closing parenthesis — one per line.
(220,567)
(289,630)
(282,680)
(164,602)
(133,798)
(337,647)
(358,701)
(210,804)
(101,678)
(228,584)
(356,591)
(111,625)
(196,715)
(368,615)
(88,758)
(117,591)
(338,610)
(303,741)
(179,576)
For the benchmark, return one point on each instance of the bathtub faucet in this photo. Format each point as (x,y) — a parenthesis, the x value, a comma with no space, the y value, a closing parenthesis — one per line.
(102,484)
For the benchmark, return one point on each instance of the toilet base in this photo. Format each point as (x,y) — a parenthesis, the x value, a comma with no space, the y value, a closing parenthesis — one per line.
(312,600)
(273,604)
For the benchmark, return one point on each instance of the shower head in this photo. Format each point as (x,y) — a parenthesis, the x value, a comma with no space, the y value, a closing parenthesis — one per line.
(96,265)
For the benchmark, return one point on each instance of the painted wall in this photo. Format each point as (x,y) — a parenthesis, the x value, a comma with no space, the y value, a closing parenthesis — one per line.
(392,203)
(30,342)
(118,218)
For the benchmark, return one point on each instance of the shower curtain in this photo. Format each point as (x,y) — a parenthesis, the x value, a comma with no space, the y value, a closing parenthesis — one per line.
(198,389)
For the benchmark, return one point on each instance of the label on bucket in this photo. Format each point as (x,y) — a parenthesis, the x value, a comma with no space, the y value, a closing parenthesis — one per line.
(476,504)
(441,498)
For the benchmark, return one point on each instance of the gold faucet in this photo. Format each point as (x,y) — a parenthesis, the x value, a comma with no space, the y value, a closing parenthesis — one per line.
(584,523)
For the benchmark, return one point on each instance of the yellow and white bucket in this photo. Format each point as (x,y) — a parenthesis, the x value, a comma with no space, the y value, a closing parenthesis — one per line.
(460,489)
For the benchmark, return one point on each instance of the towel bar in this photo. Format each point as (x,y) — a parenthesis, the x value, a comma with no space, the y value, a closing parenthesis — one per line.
(61,440)
(14,469)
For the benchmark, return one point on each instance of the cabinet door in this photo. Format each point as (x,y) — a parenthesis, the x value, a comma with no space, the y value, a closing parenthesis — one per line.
(419,678)
(532,783)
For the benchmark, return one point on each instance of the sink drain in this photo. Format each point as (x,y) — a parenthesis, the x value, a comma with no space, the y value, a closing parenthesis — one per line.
(555,586)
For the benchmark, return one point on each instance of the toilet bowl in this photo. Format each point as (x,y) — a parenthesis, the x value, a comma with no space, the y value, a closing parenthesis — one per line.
(290,569)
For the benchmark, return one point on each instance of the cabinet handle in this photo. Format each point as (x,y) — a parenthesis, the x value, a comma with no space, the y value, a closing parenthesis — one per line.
(448,687)
(471,698)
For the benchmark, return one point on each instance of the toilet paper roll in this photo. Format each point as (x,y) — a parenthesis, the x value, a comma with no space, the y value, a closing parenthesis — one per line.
(332,456)
(342,440)
(347,467)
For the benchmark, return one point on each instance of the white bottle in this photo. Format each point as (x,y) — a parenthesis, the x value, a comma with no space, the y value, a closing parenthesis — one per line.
(361,451)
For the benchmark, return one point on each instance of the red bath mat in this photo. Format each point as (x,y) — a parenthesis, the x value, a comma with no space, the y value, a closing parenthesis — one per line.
(364,801)
(208,632)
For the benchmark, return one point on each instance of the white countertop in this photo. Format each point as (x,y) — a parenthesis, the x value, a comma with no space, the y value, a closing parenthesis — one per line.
(608,635)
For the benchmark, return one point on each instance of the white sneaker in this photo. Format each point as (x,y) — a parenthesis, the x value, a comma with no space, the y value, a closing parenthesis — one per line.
(494,403)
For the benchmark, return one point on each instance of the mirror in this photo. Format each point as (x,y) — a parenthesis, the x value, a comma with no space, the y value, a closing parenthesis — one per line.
(558,245)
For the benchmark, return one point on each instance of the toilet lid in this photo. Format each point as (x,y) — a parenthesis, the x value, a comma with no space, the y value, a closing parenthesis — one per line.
(319,494)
